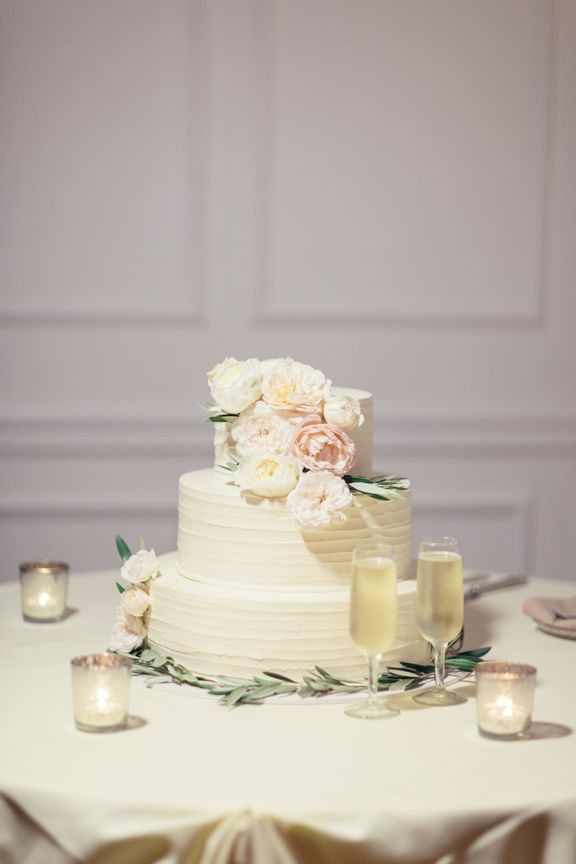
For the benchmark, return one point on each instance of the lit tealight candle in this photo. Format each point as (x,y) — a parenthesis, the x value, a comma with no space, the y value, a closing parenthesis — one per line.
(504,698)
(101,687)
(43,590)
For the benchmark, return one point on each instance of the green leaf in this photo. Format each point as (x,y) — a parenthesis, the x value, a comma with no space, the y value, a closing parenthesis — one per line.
(120,587)
(123,548)
(371,491)
(235,696)
(222,418)
(148,655)
(475,652)
(279,677)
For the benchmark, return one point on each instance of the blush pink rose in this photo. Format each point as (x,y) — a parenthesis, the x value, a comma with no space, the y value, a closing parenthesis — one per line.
(321,447)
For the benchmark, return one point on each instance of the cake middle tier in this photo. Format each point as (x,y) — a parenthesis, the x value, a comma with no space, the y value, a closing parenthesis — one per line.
(225,537)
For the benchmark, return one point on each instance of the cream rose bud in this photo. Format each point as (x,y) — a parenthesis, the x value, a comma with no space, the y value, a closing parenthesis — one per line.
(344,412)
(235,384)
(320,500)
(269,475)
(141,567)
(129,632)
(135,601)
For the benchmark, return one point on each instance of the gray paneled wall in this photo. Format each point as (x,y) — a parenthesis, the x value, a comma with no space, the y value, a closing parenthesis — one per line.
(383,190)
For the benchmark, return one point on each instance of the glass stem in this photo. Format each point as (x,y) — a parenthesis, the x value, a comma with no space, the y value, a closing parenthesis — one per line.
(373,674)
(439,657)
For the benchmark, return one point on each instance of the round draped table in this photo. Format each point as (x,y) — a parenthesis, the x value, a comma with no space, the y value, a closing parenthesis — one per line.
(192,782)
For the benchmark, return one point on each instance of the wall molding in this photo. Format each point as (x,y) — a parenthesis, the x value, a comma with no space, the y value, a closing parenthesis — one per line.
(264,316)
(454,437)
(100,318)
(517,510)
(192,314)
(16,510)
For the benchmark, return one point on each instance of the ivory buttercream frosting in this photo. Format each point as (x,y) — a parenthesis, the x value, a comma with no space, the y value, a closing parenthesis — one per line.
(250,589)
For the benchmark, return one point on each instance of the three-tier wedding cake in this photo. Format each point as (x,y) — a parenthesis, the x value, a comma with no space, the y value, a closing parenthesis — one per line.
(260,580)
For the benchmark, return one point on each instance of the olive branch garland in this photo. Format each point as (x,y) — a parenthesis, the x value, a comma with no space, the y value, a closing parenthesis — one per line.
(316,683)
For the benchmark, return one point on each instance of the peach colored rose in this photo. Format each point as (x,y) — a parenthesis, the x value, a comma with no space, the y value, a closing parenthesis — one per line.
(136,600)
(289,385)
(129,632)
(319,500)
(321,447)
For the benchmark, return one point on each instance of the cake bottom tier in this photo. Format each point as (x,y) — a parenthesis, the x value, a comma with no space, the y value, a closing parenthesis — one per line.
(223,630)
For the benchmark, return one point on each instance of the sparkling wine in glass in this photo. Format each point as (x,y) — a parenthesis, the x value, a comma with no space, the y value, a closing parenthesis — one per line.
(439,609)
(373,619)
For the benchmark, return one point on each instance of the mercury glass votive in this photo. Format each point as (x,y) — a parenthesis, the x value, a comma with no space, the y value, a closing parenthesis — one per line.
(101,691)
(43,590)
(504,699)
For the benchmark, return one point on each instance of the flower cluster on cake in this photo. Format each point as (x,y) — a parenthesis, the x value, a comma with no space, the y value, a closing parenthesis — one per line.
(290,437)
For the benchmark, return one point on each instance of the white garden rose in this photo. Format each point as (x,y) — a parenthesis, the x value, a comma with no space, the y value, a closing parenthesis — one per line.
(128,633)
(141,567)
(235,384)
(269,475)
(135,600)
(344,412)
(260,427)
(289,385)
(320,499)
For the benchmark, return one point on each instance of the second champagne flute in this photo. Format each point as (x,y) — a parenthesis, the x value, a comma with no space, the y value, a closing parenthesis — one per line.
(439,608)
(373,619)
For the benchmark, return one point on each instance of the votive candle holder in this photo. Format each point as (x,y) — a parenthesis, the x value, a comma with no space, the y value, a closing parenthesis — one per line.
(101,692)
(505,699)
(43,590)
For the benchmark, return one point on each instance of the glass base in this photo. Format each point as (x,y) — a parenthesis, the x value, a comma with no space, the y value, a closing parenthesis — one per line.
(44,619)
(439,696)
(511,736)
(115,727)
(371,709)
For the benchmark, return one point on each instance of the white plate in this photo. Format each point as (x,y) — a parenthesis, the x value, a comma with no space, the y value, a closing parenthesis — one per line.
(563,632)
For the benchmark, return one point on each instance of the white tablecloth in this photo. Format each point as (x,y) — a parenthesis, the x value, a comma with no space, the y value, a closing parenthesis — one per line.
(191,781)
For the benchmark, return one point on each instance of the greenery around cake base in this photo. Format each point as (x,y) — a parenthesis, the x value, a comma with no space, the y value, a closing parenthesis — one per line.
(316,683)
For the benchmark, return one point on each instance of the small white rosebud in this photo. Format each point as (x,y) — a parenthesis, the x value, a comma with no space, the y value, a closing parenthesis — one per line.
(141,567)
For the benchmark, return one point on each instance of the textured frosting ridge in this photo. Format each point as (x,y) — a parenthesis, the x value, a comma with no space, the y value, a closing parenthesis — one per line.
(227,630)
(227,538)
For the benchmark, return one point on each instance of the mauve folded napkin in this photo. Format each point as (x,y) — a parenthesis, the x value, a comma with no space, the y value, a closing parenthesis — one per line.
(558,611)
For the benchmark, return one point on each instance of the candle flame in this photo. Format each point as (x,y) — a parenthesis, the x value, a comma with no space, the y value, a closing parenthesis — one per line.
(505,705)
(102,699)
(43,598)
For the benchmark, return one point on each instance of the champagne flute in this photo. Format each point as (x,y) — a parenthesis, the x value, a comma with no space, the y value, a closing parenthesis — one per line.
(373,619)
(439,609)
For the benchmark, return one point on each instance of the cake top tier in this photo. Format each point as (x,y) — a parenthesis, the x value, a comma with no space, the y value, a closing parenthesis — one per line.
(283,431)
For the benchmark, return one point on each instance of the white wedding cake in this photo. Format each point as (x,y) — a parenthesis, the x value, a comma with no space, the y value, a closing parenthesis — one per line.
(260,580)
